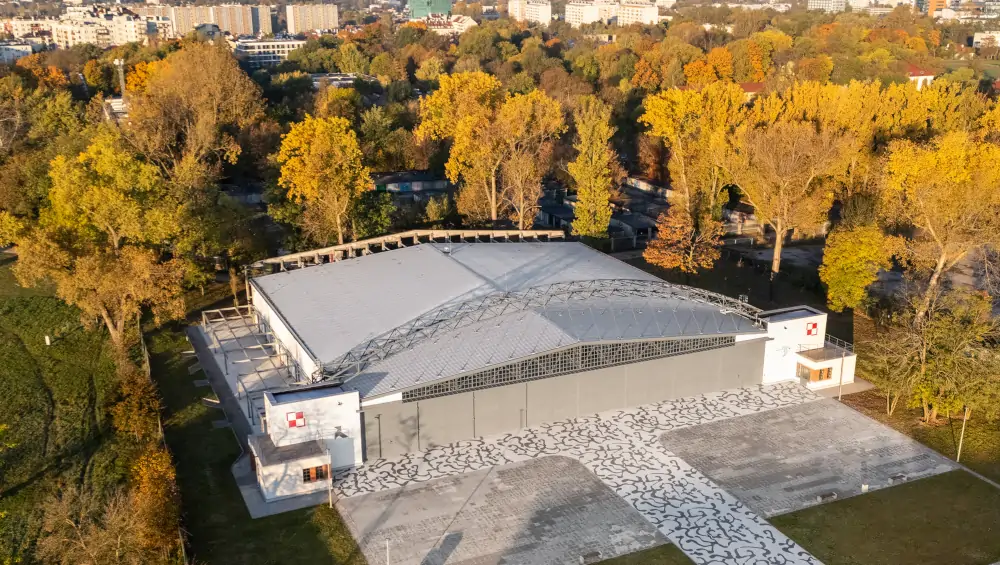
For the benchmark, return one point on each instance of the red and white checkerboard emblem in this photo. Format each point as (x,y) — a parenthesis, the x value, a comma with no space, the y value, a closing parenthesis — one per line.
(812,328)
(295,419)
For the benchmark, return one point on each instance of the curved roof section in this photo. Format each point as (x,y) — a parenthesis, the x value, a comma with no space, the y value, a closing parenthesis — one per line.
(400,318)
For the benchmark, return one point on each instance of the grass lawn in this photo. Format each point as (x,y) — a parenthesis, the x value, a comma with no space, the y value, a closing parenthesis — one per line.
(660,555)
(949,519)
(219,528)
(55,401)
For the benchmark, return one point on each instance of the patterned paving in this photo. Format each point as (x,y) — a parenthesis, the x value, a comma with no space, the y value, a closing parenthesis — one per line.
(623,450)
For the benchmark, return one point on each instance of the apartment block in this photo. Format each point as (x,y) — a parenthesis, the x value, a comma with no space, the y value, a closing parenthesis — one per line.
(303,18)
(265,52)
(637,13)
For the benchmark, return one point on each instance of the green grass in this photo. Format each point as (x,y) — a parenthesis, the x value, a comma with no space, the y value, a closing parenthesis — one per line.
(660,555)
(55,402)
(220,529)
(980,450)
(949,519)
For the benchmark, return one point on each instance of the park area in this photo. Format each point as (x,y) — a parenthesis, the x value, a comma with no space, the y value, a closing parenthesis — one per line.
(60,435)
(55,406)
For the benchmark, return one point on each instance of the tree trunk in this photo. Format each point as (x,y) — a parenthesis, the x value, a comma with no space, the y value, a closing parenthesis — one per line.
(933,415)
(932,285)
(493,199)
(340,231)
(779,243)
(927,410)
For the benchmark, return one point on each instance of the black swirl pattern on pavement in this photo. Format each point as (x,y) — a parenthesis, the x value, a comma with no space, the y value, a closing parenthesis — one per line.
(622,449)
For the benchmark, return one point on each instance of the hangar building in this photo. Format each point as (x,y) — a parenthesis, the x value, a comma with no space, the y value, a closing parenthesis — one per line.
(430,344)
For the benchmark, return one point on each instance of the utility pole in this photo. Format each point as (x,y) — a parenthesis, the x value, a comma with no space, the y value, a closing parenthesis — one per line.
(961,437)
(840,390)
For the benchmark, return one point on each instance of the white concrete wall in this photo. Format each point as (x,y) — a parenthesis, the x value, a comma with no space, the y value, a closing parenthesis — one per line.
(846,364)
(277,481)
(281,332)
(324,416)
(788,337)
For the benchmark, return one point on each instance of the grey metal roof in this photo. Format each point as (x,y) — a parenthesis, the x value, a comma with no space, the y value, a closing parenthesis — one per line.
(393,320)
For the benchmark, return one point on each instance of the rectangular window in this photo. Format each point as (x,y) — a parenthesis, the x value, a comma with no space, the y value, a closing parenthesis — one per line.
(313,474)
(813,375)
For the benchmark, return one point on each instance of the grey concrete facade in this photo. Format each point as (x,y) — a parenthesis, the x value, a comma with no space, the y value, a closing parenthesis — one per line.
(395,428)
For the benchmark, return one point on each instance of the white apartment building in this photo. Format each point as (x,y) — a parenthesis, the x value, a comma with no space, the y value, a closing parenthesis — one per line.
(580,13)
(265,52)
(303,18)
(638,13)
(11,51)
(18,27)
(981,37)
(68,34)
(827,5)
(539,11)
(449,25)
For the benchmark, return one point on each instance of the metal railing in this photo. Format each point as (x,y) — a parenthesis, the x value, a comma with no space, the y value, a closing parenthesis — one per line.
(837,342)
(397,240)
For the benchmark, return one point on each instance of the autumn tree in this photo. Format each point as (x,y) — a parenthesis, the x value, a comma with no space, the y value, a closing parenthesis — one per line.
(949,191)
(680,244)
(695,127)
(487,127)
(593,169)
(371,214)
(190,128)
(321,168)
(852,259)
(79,527)
(101,238)
(779,168)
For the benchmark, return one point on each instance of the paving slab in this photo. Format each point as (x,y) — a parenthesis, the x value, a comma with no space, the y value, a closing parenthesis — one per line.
(787,459)
(622,449)
(543,511)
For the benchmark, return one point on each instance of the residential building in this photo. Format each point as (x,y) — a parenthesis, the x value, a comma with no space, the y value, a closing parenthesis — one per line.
(265,52)
(303,18)
(20,27)
(11,51)
(333,359)
(420,9)
(237,19)
(638,13)
(932,6)
(581,13)
(986,39)
(827,5)
(449,25)
(539,11)
(919,76)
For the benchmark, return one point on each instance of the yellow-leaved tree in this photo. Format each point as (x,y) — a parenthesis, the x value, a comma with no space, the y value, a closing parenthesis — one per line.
(779,168)
(696,126)
(949,190)
(593,170)
(103,238)
(322,169)
(489,128)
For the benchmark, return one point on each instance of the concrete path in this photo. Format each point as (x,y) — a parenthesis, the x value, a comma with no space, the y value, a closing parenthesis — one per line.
(622,449)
